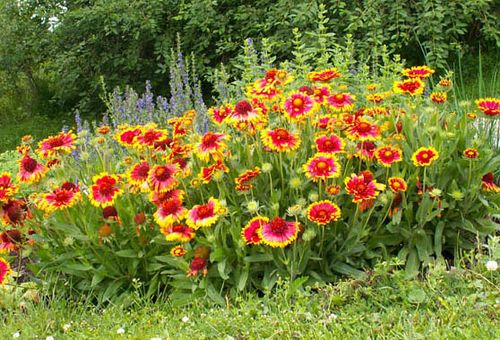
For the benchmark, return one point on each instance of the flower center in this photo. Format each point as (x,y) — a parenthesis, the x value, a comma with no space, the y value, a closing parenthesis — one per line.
(339,97)
(388,153)
(162,173)
(56,142)
(170,207)
(278,226)
(322,165)
(281,134)
(298,102)
(363,127)
(209,140)
(243,107)
(205,211)
(30,165)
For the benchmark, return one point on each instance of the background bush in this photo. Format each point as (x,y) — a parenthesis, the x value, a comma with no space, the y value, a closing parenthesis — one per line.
(50,66)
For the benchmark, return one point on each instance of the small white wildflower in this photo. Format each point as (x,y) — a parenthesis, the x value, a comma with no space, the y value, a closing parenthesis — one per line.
(66,327)
(185,319)
(313,196)
(68,241)
(120,330)
(50,337)
(156,338)
(492,265)
(253,206)
(16,335)
(332,316)
(267,167)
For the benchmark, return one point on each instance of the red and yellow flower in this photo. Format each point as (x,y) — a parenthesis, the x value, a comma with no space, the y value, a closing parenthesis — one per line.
(397,184)
(418,72)
(67,196)
(323,212)
(329,144)
(220,114)
(242,180)
(105,190)
(439,97)
(363,130)
(5,270)
(471,153)
(425,156)
(127,135)
(169,212)
(322,166)
(204,215)
(324,75)
(178,251)
(250,231)
(321,94)
(413,87)
(489,106)
(278,232)
(212,145)
(298,107)
(163,177)
(343,102)
(388,154)
(14,212)
(150,136)
(488,183)
(158,197)
(363,187)
(30,171)
(138,175)
(248,111)
(280,140)
(178,233)
(58,145)
(7,187)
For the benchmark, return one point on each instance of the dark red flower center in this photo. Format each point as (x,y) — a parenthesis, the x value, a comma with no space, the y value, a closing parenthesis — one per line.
(55,142)
(243,107)
(170,207)
(163,173)
(278,226)
(363,127)
(210,140)
(282,134)
(29,164)
(205,211)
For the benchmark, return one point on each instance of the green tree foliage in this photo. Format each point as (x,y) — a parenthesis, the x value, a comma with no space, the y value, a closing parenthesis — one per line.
(128,42)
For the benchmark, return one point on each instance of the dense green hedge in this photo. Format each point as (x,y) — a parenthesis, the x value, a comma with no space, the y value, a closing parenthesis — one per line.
(129,42)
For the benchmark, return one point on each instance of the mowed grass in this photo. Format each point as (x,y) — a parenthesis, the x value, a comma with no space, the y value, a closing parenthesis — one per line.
(446,304)
(38,126)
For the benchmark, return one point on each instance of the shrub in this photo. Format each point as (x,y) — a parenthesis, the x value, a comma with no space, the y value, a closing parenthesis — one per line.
(309,175)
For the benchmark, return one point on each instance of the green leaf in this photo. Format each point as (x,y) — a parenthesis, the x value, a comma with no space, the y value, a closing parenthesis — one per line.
(242,280)
(258,258)
(344,268)
(130,253)
(214,294)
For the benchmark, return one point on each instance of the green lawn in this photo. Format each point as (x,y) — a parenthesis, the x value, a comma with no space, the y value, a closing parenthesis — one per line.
(456,304)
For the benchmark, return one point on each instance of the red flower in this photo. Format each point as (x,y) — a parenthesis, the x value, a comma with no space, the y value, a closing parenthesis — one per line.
(30,171)
(250,231)
(388,155)
(323,212)
(196,266)
(105,190)
(489,106)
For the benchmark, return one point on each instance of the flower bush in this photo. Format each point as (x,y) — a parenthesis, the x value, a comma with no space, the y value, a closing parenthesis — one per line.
(308,176)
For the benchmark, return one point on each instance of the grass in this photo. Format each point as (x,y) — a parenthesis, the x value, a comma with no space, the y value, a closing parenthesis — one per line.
(446,304)
(38,126)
